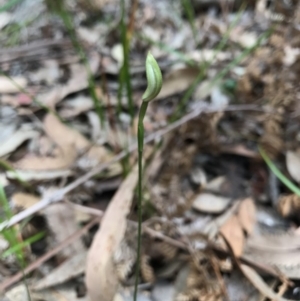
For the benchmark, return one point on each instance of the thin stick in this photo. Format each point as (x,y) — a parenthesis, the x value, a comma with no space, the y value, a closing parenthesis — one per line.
(9,282)
(60,193)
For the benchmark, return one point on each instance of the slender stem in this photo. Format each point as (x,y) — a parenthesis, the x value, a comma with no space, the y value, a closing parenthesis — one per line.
(140,138)
(126,67)
(289,184)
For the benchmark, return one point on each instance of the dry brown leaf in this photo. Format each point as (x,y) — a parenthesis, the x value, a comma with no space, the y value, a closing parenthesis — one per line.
(63,135)
(260,284)
(276,242)
(177,81)
(12,85)
(66,137)
(289,205)
(24,200)
(62,223)
(69,269)
(101,278)
(63,160)
(247,215)
(233,233)
(208,202)
(293,165)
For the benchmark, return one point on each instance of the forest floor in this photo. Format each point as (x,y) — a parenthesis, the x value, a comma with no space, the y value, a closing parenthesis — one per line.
(221,178)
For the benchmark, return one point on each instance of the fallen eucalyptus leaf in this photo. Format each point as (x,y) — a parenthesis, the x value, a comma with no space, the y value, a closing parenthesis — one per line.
(101,278)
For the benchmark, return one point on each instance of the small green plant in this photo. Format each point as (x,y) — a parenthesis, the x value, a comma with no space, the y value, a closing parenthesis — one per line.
(154,81)
(289,184)
(11,236)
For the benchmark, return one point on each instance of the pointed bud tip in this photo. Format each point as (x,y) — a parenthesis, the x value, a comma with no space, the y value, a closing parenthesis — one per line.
(154,78)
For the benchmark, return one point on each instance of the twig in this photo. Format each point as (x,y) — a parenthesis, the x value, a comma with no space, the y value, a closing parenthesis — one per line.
(60,193)
(9,282)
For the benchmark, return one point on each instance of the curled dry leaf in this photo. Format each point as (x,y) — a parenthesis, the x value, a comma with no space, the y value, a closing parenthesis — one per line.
(101,278)
(233,233)
(293,165)
(177,82)
(247,215)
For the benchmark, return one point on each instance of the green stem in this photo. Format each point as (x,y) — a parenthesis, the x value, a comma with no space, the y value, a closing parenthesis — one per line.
(289,184)
(140,138)
(126,65)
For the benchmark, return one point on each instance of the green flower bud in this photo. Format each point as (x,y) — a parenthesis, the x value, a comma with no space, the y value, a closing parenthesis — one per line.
(154,78)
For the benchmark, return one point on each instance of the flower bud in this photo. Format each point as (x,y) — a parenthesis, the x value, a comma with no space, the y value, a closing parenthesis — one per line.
(154,78)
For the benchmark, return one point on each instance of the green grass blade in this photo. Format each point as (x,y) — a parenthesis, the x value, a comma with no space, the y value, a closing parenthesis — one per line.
(125,70)
(295,189)
(6,166)
(190,13)
(14,249)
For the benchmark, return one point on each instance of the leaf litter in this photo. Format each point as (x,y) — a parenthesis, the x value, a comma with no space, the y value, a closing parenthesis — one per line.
(212,208)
